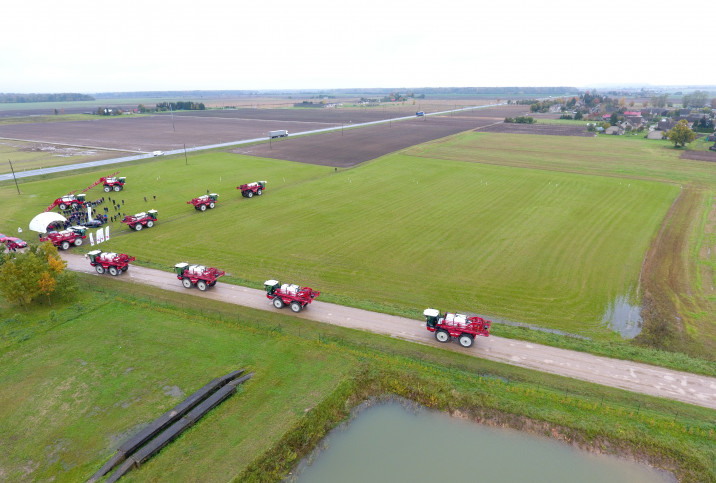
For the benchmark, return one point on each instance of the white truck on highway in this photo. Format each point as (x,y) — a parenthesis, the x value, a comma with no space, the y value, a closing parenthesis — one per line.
(281,133)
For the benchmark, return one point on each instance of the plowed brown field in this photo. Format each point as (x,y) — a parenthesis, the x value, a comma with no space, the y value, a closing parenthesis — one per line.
(354,146)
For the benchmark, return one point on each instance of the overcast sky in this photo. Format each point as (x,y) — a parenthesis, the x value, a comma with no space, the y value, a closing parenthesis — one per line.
(96,46)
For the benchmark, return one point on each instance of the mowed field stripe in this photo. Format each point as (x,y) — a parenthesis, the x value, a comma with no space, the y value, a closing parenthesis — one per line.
(528,245)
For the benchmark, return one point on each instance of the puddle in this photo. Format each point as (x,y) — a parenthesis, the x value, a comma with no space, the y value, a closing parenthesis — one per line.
(623,317)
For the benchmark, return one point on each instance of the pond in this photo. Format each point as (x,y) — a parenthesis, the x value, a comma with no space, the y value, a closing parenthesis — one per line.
(394,442)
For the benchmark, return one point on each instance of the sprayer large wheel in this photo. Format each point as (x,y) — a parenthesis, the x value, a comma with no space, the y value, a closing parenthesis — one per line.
(138,227)
(249,194)
(277,302)
(202,207)
(186,282)
(150,224)
(77,242)
(212,205)
(65,245)
(465,340)
(259,192)
(296,306)
(117,188)
(201,285)
(63,206)
(99,268)
(107,189)
(442,335)
(113,271)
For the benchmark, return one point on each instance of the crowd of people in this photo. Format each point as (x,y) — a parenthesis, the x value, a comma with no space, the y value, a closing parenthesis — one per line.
(79,216)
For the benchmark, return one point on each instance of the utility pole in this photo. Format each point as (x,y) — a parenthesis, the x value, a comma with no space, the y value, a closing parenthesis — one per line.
(185,158)
(13,176)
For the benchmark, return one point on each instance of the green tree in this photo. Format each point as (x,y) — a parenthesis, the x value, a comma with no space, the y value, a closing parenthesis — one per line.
(681,133)
(695,99)
(39,270)
(614,119)
(660,101)
(19,278)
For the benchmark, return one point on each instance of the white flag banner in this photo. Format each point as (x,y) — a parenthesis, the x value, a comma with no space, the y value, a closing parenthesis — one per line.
(89,212)
(91,240)
(100,235)
(106,233)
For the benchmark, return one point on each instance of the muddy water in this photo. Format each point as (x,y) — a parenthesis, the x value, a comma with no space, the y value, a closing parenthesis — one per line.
(392,443)
(623,317)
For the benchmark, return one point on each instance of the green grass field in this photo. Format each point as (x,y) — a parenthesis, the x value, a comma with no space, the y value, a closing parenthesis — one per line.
(79,378)
(79,390)
(617,156)
(537,246)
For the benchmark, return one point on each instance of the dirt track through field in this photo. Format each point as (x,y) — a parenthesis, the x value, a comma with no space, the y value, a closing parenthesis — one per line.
(631,376)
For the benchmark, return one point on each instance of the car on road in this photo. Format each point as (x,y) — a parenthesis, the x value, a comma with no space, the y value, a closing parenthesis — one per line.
(5,239)
(157,153)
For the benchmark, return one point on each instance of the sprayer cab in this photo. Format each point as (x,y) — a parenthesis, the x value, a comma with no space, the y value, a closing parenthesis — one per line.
(431,317)
(271,286)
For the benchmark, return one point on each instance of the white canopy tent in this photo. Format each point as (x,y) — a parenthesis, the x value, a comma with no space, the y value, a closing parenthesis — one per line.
(41,221)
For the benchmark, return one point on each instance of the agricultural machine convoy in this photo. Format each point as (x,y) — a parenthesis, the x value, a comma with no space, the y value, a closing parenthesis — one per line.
(114,263)
(197,275)
(289,294)
(140,220)
(250,189)
(461,326)
(70,201)
(203,202)
(66,238)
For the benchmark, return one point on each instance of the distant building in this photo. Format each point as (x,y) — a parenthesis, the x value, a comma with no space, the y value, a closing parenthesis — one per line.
(655,135)
(666,124)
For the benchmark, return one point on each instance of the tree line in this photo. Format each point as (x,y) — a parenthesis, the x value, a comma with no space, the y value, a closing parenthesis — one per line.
(63,97)
(181,106)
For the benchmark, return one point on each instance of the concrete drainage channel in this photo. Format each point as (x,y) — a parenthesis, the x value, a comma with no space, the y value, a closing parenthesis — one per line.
(145,444)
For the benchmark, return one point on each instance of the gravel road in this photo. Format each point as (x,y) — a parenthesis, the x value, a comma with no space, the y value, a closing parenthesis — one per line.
(632,376)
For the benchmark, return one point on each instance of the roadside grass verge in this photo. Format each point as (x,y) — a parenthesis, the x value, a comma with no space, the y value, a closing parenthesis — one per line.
(617,349)
(75,392)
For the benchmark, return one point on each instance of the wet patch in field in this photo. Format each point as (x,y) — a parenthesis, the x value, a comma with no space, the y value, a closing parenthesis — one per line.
(623,317)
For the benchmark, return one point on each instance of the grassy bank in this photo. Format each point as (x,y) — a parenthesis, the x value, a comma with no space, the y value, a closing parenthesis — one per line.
(124,358)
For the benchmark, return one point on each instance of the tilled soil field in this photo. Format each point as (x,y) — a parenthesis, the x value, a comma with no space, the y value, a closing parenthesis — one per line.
(152,132)
(699,155)
(345,115)
(543,129)
(354,146)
